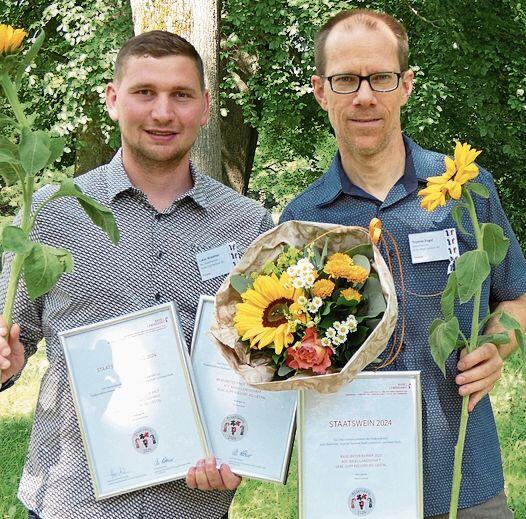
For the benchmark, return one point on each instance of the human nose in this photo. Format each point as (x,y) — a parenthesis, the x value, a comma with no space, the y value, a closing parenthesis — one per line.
(162,109)
(365,95)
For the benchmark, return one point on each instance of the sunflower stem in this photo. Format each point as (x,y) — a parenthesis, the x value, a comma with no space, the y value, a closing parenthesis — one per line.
(12,97)
(459,448)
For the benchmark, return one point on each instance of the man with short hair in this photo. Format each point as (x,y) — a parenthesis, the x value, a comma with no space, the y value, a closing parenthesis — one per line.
(362,81)
(167,212)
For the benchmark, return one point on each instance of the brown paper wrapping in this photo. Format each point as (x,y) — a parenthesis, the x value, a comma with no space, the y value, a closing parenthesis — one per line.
(267,247)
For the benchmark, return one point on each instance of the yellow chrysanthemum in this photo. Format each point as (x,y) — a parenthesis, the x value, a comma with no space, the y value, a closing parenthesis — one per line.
(357,274)
(323,288)
(338,265)
(351,294)
(458,171)
(10,39)
(260,318)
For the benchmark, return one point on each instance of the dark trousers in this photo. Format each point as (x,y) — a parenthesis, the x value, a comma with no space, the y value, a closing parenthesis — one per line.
(32,515)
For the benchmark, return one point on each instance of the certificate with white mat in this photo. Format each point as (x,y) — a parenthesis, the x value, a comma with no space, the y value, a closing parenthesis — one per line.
(134,395)
(249,429)
(360,449)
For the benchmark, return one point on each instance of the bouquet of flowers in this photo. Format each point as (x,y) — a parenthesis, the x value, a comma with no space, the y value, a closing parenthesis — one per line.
(309,305)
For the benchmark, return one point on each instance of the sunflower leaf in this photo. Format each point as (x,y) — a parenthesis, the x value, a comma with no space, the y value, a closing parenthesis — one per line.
(240,283)
(478,189)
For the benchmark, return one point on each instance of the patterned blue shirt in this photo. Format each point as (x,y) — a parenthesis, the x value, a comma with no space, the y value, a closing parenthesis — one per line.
(334,199)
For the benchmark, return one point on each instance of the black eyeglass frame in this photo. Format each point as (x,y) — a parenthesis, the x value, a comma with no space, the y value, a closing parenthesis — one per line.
(366,78)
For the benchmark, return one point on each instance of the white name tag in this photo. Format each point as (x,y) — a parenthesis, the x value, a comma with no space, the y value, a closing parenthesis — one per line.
(434,246)
(217,261)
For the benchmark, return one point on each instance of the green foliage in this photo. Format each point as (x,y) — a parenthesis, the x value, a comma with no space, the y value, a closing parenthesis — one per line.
(469,85)
(472,268)
(64,90)
(494,242)
(443,340)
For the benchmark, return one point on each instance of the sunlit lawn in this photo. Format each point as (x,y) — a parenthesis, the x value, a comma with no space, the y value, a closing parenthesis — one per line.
(255,500)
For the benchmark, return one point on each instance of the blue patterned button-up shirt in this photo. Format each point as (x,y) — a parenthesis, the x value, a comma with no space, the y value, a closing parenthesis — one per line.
(334,199)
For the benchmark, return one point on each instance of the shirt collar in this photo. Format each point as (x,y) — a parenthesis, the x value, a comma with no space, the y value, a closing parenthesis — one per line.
(335,181)
(118,182)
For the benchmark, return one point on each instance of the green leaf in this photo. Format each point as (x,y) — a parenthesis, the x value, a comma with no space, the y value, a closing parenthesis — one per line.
(472,268)
(14,239)
(366,249)
(324,251)
(375,304)
(8,173)
(43,267)
(456,213)
(56,147)
(34,150)
(521,341)
(100,215)
(29,57)
(494,242)
(7,155)
(478,188)
(443,341)
(447,301)
(362,261)
(284,370)
(494,338)
(240,283)
(509,322)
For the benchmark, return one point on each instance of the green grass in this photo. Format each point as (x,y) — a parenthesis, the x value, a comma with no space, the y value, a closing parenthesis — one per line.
(256,500)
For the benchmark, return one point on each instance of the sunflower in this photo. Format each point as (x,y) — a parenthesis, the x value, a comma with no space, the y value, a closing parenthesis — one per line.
(10,39)
(449,185)
(261,317)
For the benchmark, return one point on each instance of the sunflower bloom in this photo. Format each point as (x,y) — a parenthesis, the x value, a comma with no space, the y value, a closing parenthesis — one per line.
(10,39)
(323,288)
(261,317)
(351,294)
(459,170)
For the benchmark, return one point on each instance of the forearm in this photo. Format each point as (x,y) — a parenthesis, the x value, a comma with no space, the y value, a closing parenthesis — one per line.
(515,308)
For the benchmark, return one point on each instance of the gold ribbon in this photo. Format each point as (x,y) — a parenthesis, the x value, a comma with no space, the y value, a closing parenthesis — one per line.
(375,230)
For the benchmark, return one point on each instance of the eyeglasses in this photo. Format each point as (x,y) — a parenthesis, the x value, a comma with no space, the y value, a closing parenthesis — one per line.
(379,82)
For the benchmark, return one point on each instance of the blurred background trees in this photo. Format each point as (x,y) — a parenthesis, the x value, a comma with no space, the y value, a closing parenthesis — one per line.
(469,59)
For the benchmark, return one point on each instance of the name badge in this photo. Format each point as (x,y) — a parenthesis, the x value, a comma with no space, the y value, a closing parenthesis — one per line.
(434,246)
(217,261)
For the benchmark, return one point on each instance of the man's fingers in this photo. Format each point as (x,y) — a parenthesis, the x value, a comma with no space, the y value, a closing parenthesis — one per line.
(190,478)
(14,333)
(200,476)
(477,356)
(212,474)
(230,480)
(484,384)
(481,371)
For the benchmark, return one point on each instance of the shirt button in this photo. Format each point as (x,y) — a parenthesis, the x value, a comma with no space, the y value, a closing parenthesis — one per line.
(158,296)
(158,216)
(160,254)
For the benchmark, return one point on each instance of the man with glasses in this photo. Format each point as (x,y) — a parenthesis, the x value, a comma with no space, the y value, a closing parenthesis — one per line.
(362,81)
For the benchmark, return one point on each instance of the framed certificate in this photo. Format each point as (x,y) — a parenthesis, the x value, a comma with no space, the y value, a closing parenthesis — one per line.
(360,449)
(249,429)
(134,396)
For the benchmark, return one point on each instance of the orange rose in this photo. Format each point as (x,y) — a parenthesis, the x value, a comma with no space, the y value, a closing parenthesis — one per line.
(310,354)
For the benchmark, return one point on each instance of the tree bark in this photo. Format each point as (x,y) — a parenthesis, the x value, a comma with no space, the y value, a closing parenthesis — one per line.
(198,22)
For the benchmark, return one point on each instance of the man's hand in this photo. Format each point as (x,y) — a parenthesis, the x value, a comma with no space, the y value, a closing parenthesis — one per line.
(12,356)
(480,370)
(206,476)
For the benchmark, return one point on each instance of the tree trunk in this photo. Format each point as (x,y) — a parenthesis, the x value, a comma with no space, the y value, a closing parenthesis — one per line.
(238,147)
(198,22)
